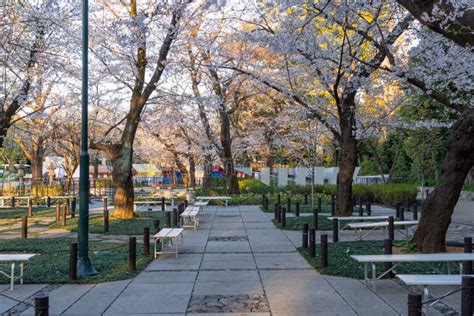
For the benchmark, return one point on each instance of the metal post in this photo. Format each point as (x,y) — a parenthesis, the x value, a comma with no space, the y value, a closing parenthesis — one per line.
(369,208)
(24,227)
(283,217)
(42,305)
(132,254)
(106,221)
(415,212)
(279,214)
(58,212)
(315,219)
(467,296)
(312,242)
(275,212)
(387,250)
(84,266)
(146,241)
(324,251)
(397,210)
(391,228)
(168,219)
(335,230)
(73,261)
(333,205)
(48,201)
(12,200)
(175,217)
(279,199)
(163,204)
(73,207)
(297,211)
(306,199)
(106,203)
(305,236)
(288,204)
(402,213)
(319,205)
(467,265)
(30,208)
(414,305)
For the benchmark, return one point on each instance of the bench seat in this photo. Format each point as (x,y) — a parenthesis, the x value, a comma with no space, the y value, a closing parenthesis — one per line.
(168,236)
(190,217)
(14,258)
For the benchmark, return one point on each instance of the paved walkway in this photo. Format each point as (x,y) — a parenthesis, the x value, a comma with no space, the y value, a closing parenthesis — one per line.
(236,262)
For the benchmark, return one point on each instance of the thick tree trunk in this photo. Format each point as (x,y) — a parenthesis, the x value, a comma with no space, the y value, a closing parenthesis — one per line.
(37,164)
(192,171)
(123,183)
(226,154)
(207,172)
(347,161)
(438,208)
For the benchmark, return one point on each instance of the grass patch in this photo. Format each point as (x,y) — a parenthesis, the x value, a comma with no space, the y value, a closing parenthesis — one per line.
(341,264)
(18,212)
(117,226)
(51,266)
(296,223)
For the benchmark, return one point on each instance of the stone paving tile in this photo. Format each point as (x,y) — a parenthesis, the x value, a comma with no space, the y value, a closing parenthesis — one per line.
(226,226)
(227,288)
(165,277)
(170,262)
(227,246)
(228,276)
(228,314)
(169,288)
(227,232)
(281,261)
(149,303)
(228,261)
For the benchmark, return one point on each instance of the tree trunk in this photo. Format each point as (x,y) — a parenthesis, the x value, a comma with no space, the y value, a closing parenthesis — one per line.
(37,163)
(123,182)
(226,153)
(438,208)
(347,160)
(207,172)
(192,171)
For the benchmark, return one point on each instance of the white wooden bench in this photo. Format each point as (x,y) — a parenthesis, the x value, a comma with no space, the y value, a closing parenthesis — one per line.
(352,219)
(201,203)
(139,205)
(190,217)
(210,198)
(376,225)
(398,259)
(168,236)
(13,259)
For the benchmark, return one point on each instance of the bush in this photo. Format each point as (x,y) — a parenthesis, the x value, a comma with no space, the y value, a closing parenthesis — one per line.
(387,194)
(253,186)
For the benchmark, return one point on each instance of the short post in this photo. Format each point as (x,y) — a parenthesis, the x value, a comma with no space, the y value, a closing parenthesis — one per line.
(175,217)
(64,215)
(73,261)
(335,230)
(387,250)
(324,250)
(467,265)
(319,205)
(361,202)
(414,304)
(279,214)
(58,215)
(73,207)
(24,227)
(467,295)
(263,199)
(48,201)
(288,204)
(415,212)
(402,213)
(333,205)
(146,241)
(315,219)
(312,242)
(106,203)
(297,210)
(163,204)
(186,203)
(397,210)
(12,200)
(361,211)
(132,254)
(283,217)
(391,228)
(305,236)
(30,208)
(156,226)
(306,199)
(279,199)
(168,219)
(42,305)
(275,212)
(369,208)
(106,221)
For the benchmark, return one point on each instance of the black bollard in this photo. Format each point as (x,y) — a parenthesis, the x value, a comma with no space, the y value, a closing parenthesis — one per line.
(42,305)
(319,205)
(467,265)
(369,208)
(288,205)
(156,226)
(30,207)
(361,202)
(73,261)
(387,250)
(275,212)
(415,212)
(361,211)
(391,228)
(297,210)
(283,217)
(402,213)
(64,215)
(24,227)
(106,221)
(305,236)
(397,210)
(312,242)
(414,305)
(279,199)
(73,207)
(263,200)
(48,201)
(324,251)
(163,204)
(333,205)
(306,199)
(146,241)
(168,219)
(132,254)
(315,219)
(186,203)
(279,214)
(335,230)
(467,295)
(175,217)
(12,200)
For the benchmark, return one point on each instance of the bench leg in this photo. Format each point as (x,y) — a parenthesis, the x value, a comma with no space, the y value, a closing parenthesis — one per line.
(21,272)
(374,276)
(12,276)
(365,273)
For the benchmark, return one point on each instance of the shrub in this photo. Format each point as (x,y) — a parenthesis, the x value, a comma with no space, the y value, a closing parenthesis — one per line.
(253,186)
(387,194)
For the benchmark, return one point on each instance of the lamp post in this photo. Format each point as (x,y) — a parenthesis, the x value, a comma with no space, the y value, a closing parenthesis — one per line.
(84,266)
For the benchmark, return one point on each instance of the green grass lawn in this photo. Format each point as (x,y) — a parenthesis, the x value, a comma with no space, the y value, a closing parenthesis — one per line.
(341,264)
(117,226)
(52,265)
(296,223)
(18,212)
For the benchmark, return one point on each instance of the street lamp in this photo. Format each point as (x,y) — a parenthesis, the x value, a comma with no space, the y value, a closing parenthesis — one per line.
(84,266)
